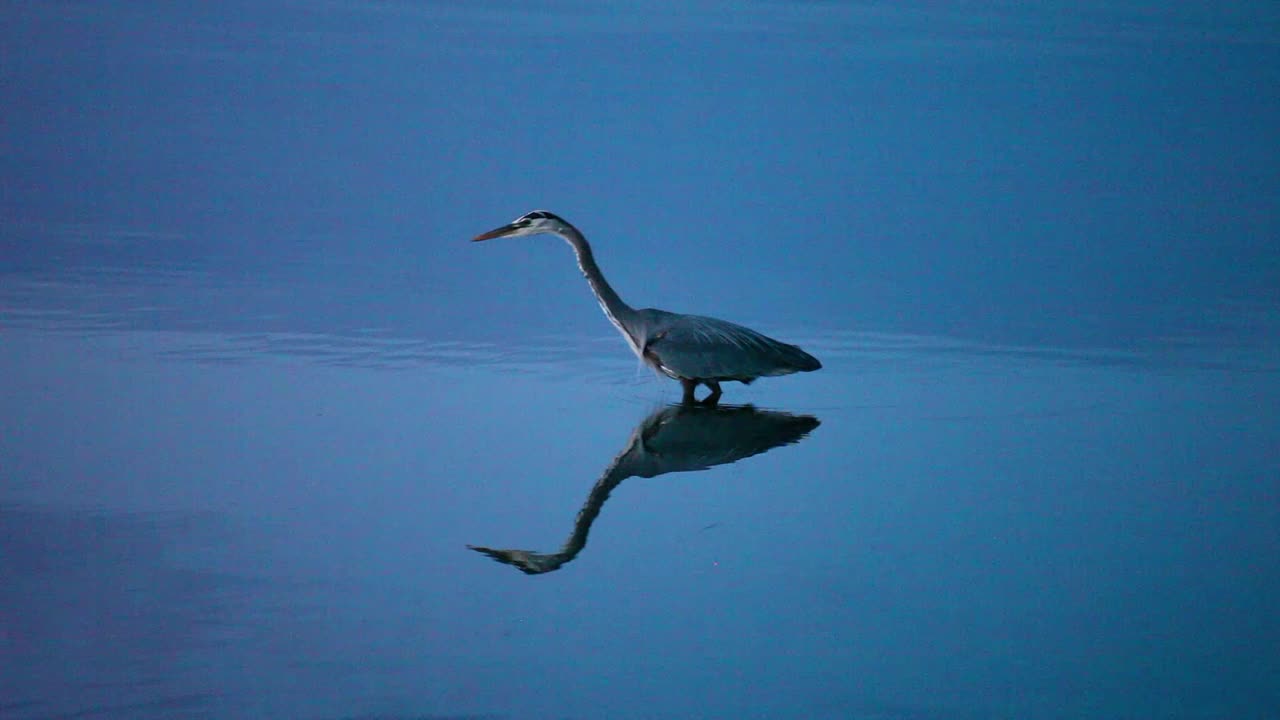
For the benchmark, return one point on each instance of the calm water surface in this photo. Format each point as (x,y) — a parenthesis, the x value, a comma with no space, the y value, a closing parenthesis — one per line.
(277,441)
(278,526)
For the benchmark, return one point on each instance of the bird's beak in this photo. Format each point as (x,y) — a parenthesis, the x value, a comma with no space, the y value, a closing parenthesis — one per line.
(503,231)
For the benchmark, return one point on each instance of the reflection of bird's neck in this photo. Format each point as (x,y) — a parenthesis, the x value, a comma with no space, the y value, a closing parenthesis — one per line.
(618,312)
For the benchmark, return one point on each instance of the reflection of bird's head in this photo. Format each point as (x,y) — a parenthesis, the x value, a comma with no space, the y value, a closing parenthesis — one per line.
(533,223)
(528,562)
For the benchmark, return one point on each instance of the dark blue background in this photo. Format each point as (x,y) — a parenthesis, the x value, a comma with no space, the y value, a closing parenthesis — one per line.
(258,391)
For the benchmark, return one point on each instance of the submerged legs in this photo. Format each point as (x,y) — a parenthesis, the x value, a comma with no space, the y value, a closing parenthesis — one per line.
(690,385)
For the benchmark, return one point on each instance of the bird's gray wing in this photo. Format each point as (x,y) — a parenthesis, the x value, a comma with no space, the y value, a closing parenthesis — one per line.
(698,347)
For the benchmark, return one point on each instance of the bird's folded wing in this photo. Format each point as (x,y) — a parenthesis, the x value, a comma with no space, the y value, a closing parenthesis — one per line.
(695,346)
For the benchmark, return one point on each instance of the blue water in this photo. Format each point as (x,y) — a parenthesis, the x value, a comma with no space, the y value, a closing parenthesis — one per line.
(278,441)
(278,527)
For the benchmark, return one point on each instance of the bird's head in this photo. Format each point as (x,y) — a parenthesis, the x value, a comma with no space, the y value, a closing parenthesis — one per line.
(533,223)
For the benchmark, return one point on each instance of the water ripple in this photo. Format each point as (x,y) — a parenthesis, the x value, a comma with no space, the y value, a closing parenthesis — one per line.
(185,312)
(603,357)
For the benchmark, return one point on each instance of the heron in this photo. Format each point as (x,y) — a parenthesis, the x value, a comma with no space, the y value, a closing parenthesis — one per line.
(690,349)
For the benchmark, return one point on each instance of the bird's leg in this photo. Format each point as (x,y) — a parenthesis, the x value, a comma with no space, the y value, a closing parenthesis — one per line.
(688,386)
(714,397)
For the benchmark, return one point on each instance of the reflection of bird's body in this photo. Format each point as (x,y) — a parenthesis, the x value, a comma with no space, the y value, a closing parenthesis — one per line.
(689,348)
(679,438)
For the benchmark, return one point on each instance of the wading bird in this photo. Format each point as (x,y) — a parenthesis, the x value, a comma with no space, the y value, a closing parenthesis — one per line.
(689,348)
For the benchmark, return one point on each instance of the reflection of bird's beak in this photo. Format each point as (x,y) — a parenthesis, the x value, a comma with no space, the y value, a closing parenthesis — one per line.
(498,232)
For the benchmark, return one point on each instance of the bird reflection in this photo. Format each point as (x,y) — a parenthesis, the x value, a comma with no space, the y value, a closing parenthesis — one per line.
(676,438)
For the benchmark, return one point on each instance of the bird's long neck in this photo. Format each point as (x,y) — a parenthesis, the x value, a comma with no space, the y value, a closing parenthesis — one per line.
(618,312)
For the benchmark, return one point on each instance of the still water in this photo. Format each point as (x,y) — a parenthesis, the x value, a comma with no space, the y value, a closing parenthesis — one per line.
(278,441)
(223,524)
